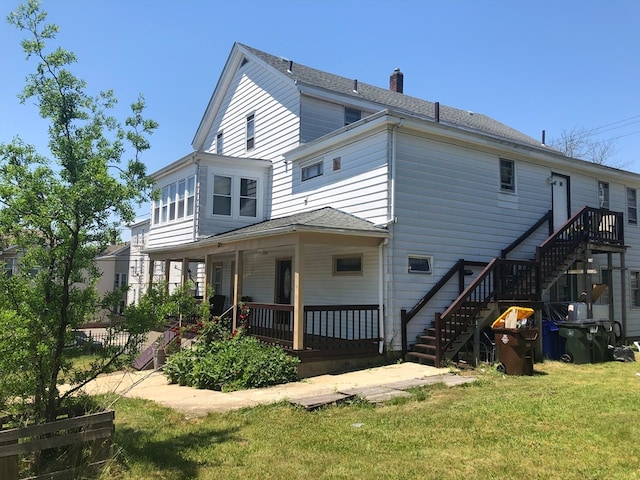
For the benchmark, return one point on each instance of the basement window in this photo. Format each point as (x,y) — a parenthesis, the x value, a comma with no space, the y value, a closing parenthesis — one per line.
(420,264)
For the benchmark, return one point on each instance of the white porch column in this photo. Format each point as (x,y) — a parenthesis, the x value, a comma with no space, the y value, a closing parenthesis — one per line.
(237,284)
(298,296)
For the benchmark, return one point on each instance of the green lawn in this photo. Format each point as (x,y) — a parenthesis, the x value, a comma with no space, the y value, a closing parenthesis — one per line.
(566,421)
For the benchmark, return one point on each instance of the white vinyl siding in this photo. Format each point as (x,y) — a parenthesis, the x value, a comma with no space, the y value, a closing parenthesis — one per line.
(275,105)
(362,163)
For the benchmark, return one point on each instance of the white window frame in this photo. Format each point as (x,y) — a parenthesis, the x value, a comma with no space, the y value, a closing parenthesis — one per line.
(236,199)
(604,195)
(173,206)
(349,261)
(428,258)
(632,206)
(250,131)
(507,185)
(221,195)
(634,286)
(219,142)
(247,198)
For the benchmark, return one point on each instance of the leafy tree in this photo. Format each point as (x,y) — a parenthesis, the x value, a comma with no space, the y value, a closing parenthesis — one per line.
(61,211)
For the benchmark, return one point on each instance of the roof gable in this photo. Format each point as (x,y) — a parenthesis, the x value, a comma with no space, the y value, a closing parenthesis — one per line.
(303,75)
(320,81)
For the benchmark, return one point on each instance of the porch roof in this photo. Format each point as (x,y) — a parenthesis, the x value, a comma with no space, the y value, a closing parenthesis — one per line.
(326,220)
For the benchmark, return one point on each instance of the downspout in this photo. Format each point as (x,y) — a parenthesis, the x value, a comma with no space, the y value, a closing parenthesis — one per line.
(381,284)
(196,200)
(391,161)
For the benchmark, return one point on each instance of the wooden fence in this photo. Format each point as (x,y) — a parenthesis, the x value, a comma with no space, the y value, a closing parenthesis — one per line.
(94,429)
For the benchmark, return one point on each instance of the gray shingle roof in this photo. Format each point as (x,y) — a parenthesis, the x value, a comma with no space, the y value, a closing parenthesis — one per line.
(325,219)
(392,100)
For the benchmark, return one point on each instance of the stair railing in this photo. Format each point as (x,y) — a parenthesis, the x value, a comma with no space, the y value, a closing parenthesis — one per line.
(596,225)
(459,268)
(501,279)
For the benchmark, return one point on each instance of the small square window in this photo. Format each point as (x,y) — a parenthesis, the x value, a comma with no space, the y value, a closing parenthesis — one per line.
(420,264)
(347,265)
(507,175)
(351,115)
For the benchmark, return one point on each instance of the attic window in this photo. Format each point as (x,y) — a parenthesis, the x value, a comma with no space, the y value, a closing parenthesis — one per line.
(251,123)
(244,61)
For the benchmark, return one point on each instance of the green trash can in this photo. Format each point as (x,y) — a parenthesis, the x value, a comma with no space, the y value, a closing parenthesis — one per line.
(587,341)
(514,347)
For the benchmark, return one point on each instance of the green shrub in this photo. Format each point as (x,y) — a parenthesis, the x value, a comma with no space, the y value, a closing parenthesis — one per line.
(230,361)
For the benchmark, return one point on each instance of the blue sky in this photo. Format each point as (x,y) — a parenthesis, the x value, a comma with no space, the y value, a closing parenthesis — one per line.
(537,65)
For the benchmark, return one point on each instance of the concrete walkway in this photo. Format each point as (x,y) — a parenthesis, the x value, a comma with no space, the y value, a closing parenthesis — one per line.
(375,384)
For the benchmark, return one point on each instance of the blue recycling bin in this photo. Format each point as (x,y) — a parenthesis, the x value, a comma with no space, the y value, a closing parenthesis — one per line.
(553,344)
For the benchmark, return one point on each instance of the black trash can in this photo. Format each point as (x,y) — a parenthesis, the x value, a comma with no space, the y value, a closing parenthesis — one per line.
(515,349)
(587,341)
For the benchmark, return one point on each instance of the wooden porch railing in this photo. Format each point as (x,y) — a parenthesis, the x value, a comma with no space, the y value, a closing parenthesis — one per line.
(342,327)
(353,328)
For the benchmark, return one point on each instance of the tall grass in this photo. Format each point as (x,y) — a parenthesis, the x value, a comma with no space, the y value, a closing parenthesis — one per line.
(566,421)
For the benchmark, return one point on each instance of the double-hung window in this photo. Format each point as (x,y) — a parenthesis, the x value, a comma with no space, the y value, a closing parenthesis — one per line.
(221,195)
(603,195)
(507,175)
(635,289)
(251,131)
(248,197)
(632,206)
(235,196)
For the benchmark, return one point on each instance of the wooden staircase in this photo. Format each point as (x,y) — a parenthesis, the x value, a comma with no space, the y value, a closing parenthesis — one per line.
(503,283)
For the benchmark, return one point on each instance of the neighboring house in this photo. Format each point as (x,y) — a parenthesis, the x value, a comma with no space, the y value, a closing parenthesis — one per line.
(138,261)
(9,260)
(352,216)
(113,264)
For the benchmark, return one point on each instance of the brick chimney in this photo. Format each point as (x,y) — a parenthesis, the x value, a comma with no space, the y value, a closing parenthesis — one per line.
(396,81)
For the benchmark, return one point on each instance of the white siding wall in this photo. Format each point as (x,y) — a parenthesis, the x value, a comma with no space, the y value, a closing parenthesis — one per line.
(275,104)
(359,187)
(321,287)
(449,206)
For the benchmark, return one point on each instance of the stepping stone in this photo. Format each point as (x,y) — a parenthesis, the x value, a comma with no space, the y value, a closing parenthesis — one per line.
(376,394)
(317,401)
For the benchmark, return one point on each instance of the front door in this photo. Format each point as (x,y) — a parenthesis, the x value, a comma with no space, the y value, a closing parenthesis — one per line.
(282,320)
(560,199)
